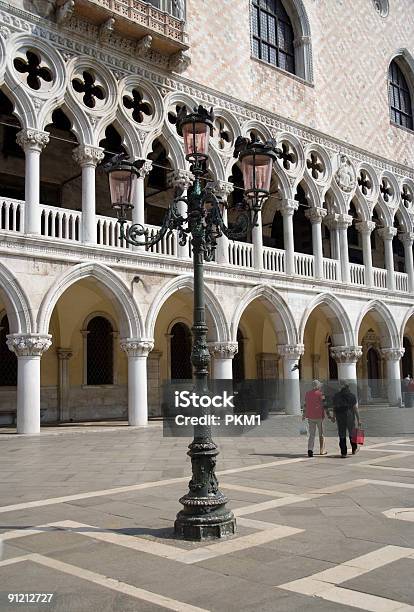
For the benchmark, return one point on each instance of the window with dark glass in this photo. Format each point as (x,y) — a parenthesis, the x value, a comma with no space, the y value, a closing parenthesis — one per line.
(272,34)
(8,360)
(99,352)
(400,98)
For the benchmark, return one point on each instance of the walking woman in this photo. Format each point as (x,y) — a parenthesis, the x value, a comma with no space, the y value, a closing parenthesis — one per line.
(346,415)
(314,411)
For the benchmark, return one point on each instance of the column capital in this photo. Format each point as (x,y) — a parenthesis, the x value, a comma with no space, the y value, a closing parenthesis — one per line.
(223,189)
(291,351)
(87,155)
(287,207)
(407,238)
(29,345)
(343,221)
(145,169)
(64,353)
(392,354)
(346,354)
(137,348)
(387,233)
(32,140)
(316,214)
(365,227)
(223,350)
(182,179)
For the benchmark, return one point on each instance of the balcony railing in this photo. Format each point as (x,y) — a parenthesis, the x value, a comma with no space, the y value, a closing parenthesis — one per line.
(66,225)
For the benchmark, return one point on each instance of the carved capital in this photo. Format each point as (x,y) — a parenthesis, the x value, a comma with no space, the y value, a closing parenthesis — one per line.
(145,168)
(32,140)
(343,221)
(64,353)
(86,155)
(291,351)
(223,350)
(287,207)
(392,354)
(29,345)
(137,348)
(183,179)
(315,214)
(387,233)
(407,239)
(365,227)
(346,354)
(223,189)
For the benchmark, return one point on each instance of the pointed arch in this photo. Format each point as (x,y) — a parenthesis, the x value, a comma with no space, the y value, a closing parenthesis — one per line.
(390,336)
(19,311)
(407,317)
(337,316)
(281,315)
(131,323)
(186,282)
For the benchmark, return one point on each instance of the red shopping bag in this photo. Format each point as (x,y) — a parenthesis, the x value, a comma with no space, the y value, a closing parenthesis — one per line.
(358,436)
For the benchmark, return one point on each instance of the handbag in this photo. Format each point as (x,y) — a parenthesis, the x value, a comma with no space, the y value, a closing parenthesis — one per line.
(358,436)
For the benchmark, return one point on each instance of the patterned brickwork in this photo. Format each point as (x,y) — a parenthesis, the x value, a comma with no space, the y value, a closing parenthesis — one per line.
(352,46)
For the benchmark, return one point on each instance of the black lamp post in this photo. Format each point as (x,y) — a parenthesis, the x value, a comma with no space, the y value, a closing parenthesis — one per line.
(204,514)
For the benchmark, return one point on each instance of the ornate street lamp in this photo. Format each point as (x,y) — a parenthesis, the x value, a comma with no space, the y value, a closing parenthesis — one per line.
(204,514)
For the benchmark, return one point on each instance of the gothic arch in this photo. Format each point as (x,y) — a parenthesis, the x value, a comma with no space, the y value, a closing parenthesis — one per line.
(335,312)
(405,62)
(390,336)
(17,303)
(130,317)
(407,317)
(278,309)
(212,304)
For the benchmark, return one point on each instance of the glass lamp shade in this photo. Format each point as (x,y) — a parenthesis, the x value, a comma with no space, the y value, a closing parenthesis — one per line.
(257,172)
(120,185)
(196,138)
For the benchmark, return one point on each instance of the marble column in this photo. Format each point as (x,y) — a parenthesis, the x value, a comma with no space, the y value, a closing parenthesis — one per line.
(222,190)
(342,224)
(137,352)
(181,180)
(287,209)
(346,357)
(331,223)
(223,353)
(138,195)
(392,357)
(32,142)
(64,354)
(387,234)
(29,348)
(88,157)
(316,216)
(407,240)
(366,228)
(290,355)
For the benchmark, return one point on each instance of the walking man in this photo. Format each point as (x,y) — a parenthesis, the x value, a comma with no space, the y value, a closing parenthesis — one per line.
(314,411)
(346,415)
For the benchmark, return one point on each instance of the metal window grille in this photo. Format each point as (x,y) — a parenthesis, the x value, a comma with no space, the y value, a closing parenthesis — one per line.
(272,34)
(399,97)
(100,366)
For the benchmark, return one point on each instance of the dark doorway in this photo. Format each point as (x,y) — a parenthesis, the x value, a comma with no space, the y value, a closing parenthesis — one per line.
(100,352)
(302,227)
(8,360)
(407,358)
(181,368)
(238,360)
(332,365)
(373,369)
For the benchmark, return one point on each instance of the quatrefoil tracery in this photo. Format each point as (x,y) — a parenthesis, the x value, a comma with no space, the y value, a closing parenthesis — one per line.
(406,196)
(314,165)
(287,155)
(386,190)
(174,112)
(91,92)
(223,135)
(32,66)
(140,108)
(364,182)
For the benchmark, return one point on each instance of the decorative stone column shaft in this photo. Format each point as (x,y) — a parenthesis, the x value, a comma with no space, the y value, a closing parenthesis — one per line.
(29,348)
(137,351)
(346,357)
(223,189)
(88,157)
(392,357)
(342,224)
(223,354)
(287,209)
(316,216)
(387,234)
(64,354)
(32,142)
(330,222)
(290,354)
(138,195)
(407,240)
(366,228)
(181,180)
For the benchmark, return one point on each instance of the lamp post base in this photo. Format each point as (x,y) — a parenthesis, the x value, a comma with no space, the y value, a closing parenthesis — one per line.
(204,519)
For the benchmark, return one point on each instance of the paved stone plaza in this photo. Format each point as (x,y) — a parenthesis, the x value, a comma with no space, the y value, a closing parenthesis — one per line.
(87,514)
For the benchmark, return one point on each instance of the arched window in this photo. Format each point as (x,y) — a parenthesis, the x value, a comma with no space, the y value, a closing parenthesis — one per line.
(399,96)
(8,360)
(99,352)
(181,352)
(272,34)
